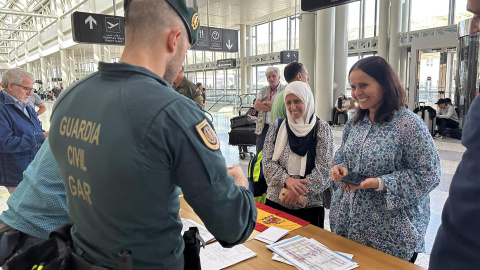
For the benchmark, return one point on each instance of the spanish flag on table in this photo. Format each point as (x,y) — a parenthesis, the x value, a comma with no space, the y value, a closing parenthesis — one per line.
(268,216)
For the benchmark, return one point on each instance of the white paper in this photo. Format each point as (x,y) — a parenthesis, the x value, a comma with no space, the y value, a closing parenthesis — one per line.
(214,256)
(309,254)
(272,235)
(279,258)
(204,233)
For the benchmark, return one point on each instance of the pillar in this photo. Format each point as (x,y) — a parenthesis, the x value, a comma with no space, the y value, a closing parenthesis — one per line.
(383,29)
(341,50)
(395,28)
(306,44)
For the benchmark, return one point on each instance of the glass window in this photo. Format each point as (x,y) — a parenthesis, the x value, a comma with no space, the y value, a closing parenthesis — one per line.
(428,14)
(280,34)
(219,55)
(353,20)
(294,33)
(208,56)
(461,12)
(231,81)
(370,22)
(261,78)
(220,82)
(200,78)
(198,56)
(208,84)
(263,37)
(190,76)
(189,57)
(352,59)
(254,42)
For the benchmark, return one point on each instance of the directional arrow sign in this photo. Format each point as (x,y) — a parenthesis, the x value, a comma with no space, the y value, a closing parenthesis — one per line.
(98,28)
(90,20)
(216,39)
(288,56)
(229,45)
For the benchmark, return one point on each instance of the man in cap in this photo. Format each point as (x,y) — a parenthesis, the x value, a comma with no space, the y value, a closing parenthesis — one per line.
(457,245)
(446,117)
(124,160)
(21,134)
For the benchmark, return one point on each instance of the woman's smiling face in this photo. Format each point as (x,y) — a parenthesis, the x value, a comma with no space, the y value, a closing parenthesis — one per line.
(295,106)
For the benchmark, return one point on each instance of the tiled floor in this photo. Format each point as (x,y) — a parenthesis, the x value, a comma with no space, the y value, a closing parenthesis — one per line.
(450,151)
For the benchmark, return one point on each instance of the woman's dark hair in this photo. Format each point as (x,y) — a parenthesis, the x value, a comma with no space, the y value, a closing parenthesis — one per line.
(291,71)
(394,95)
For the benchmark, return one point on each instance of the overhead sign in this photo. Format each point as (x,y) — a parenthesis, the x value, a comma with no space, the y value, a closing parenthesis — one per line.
(39,81)
(312,5)
(56,79)
(227,63)
(216,39)
(98,28)
(288,57)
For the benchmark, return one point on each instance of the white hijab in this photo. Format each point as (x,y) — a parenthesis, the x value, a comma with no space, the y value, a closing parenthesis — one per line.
(300,127)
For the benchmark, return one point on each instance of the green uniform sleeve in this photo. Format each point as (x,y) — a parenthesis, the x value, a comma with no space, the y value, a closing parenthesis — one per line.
(227,210)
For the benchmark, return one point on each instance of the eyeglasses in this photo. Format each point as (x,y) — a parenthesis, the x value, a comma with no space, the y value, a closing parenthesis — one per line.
(27,89)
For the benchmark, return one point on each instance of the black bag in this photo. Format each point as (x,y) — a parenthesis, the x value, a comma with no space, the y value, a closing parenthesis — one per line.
(242,135)
(191,253)
(53,253)
(242,120)
(456,134)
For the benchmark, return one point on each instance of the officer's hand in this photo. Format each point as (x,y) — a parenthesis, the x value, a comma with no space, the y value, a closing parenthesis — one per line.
(45,134)
(238,176)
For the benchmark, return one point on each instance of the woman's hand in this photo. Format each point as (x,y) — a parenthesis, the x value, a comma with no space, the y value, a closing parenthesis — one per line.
(290,198)
(297,186)
(368,183)
(338,172)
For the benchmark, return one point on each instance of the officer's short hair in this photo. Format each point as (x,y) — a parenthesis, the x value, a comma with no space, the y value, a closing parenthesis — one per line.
(291,71)
(15,75)
(147,17)
(198,84)
(270,69)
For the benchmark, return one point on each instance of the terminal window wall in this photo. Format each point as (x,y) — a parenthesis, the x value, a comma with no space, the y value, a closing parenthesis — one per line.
(280,35)
(208,84)
(294,32)
(428,14)
(363,19)
(262,34)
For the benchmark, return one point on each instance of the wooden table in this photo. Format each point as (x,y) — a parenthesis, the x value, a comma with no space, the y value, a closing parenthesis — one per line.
(366,257)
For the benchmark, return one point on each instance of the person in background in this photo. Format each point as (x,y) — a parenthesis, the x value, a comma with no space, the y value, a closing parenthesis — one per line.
(351,108)
(41,93)
(187,88)
(294,71)
(125,200)
(340,108)
(263,104)
(457,244)
(299,157)
(21,134)
(446,117)
(392,151)
(36,100)
(37,206)
(203,91)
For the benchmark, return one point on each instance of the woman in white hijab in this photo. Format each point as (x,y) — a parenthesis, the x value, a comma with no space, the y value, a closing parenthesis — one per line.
(298,156)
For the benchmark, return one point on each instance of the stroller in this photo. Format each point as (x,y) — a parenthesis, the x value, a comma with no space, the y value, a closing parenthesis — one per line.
(243,131)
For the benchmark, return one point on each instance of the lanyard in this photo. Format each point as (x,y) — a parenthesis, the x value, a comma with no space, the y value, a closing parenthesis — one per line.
(272,93)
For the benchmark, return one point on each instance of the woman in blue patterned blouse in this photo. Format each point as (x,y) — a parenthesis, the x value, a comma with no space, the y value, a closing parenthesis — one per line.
(394,151)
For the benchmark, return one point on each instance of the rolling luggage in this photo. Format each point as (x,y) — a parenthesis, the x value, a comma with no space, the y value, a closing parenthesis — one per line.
(428,114)
(242,120)
(242,136)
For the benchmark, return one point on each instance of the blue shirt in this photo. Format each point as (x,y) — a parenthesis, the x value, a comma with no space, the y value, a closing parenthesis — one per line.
(402,153)
(38,204)
(22,106)
(20,138)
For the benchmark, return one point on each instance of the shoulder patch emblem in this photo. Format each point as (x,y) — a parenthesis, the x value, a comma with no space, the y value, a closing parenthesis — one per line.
(208,135)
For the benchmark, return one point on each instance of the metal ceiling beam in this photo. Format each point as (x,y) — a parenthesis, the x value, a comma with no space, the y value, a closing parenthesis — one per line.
(19,30)
(11,12)
(19,40)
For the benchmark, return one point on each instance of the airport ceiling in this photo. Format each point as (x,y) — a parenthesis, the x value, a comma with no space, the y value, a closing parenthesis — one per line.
(22,19)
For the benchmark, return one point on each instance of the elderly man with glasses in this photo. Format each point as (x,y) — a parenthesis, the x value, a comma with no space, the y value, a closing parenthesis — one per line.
(20,132)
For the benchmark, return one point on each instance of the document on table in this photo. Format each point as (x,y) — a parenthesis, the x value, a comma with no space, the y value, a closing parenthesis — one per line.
(204,233)
(309,254)
(214,256)
(272,235)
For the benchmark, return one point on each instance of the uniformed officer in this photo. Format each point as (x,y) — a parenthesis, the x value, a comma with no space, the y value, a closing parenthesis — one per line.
(124,160)
(187,88)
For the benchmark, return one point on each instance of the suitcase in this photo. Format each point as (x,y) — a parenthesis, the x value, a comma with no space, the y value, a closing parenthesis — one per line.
(242,136)
(456,134)
(242,120)
(428,114)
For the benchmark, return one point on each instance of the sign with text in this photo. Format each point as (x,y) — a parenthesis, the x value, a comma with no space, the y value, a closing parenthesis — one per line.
(312,5)
(216,39)
(227,63)
(98,28)
(288,57)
